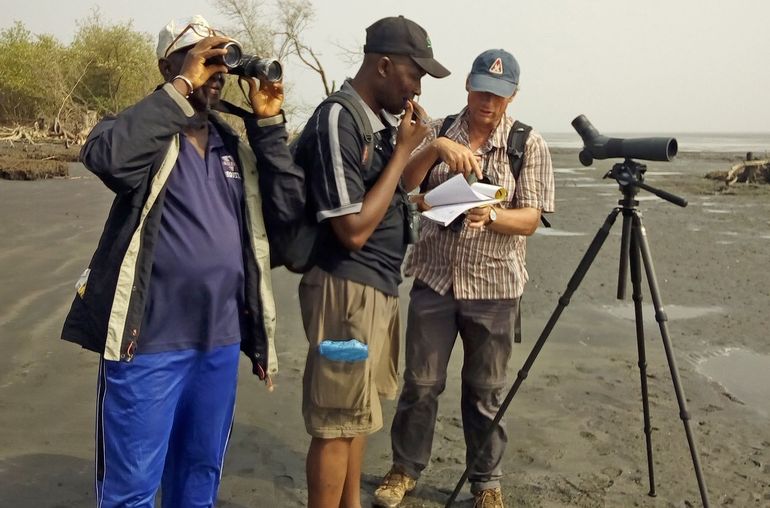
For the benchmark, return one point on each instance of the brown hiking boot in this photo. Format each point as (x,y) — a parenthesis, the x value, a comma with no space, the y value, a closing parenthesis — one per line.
(489,498)
(393,488)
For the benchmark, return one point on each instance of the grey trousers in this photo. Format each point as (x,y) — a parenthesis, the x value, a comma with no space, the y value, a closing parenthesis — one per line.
(486,329)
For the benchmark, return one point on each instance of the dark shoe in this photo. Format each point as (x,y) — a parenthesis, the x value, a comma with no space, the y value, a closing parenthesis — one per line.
(489,498)
(393,488)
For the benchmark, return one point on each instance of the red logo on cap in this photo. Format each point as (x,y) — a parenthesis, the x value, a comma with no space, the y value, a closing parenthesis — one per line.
(497,67)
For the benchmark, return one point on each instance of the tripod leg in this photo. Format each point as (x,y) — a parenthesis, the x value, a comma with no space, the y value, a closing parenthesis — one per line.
(572,285)
(660,317)
(636,284)
(625,246)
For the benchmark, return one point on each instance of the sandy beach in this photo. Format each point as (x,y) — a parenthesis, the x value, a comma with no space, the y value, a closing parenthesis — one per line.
(575,426)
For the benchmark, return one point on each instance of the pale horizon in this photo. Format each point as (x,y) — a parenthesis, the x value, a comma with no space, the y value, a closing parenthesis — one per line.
(655,67)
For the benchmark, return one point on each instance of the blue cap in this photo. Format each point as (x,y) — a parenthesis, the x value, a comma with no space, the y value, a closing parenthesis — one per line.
(494,71)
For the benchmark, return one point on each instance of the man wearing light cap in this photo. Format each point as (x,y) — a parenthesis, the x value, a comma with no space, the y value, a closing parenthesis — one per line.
(180,280)
(468,280)
(350,296)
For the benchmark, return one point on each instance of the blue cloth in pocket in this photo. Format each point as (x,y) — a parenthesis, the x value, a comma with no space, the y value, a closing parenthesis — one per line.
(350,350)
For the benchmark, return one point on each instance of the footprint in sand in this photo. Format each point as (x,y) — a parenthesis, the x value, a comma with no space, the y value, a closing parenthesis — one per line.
(612,472)
(551,380)
(442,459)
(523,457)
(283,481)
(584,369)
(451,420)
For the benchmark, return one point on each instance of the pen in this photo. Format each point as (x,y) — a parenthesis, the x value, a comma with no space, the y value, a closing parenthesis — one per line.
(415,115)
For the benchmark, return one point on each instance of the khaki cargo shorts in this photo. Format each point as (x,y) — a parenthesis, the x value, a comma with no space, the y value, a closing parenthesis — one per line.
(340,398)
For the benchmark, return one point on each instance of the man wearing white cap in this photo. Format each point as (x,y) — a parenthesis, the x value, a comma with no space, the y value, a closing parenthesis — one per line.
(468,280)
(180,280)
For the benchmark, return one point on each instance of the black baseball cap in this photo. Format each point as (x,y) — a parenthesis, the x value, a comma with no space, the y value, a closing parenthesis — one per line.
(400,36)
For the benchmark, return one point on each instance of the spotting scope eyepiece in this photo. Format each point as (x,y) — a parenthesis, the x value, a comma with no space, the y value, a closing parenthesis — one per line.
(596,146)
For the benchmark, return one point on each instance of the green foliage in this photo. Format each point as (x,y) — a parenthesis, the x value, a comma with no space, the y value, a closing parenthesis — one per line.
(106,68)
(30,66)
(117,65)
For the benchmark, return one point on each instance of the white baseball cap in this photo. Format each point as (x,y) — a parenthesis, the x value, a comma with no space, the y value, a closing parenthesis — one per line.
(180,33)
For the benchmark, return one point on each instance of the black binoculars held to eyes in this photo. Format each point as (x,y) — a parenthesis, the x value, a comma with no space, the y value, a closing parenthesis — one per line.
(249,66)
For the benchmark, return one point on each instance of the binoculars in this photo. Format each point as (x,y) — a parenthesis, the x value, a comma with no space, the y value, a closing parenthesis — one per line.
(251,66)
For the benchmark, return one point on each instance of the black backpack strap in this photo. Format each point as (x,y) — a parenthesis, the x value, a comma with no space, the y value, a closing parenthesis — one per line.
(517,142)
(517,324)
(232,109)
(361,119)
(448,121)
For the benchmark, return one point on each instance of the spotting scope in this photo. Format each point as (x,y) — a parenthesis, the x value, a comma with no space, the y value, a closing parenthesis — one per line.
(596,146)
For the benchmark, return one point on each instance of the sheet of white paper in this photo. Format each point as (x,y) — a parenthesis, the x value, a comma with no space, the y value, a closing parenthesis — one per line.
(447,213)
(454,190)
(486,190)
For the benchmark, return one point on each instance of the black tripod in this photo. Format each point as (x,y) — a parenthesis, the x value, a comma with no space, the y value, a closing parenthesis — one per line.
(635,251)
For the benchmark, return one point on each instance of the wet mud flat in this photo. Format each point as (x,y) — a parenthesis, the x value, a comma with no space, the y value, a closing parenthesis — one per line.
(575,427)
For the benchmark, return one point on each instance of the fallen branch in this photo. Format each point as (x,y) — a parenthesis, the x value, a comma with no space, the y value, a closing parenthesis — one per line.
(755,171)
(69,94)
(20,133)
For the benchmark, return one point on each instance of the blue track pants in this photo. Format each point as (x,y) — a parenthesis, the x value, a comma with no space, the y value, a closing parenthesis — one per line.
(164,419)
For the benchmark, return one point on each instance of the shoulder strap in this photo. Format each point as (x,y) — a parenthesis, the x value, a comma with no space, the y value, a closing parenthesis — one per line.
(517,142)
(232,109)
(361,119)
(448,121)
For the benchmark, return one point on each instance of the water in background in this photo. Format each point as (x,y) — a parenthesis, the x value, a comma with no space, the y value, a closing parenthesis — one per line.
(688,142)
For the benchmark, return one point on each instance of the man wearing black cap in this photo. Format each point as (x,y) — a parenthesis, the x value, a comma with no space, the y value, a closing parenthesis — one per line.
(468,280)
(349,299)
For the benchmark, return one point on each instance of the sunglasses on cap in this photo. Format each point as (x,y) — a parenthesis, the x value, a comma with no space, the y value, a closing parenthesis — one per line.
(198,29)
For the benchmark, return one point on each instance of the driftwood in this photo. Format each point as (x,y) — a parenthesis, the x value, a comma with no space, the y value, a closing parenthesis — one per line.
(31,152)
(749,171)
(73,132)
(21,133)
(752,171)
(72,123)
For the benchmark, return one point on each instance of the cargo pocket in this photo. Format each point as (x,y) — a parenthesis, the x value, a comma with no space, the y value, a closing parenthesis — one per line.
(340,385)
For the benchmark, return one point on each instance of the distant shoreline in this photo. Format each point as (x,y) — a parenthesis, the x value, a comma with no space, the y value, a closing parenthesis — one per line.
(24,161)
(758,143)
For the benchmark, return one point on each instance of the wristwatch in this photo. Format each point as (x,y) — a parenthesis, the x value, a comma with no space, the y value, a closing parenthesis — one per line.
(492,215)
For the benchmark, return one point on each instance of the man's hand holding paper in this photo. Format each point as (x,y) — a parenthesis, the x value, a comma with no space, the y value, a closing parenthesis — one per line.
(456,196)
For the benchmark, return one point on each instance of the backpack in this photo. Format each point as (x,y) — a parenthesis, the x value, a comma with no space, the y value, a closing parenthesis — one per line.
(295,245)
(517,140)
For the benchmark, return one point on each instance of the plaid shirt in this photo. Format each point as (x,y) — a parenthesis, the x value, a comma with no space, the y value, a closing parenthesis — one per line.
(480,263)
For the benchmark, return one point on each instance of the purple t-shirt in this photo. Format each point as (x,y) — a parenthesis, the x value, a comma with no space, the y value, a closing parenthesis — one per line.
(196,292)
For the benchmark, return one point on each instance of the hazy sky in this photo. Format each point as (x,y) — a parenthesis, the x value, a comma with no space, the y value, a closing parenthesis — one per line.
(657,66)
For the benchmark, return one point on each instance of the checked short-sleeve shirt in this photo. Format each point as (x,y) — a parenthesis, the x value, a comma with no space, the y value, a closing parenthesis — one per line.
(481,263)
